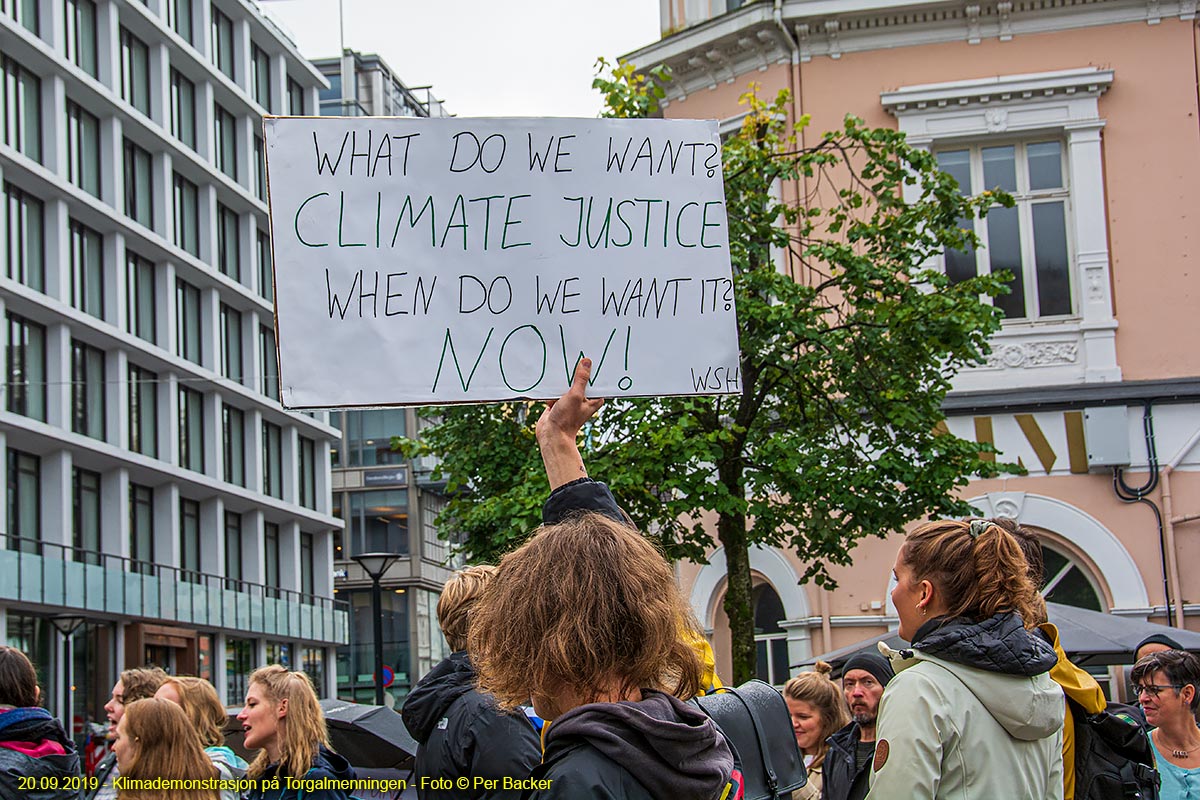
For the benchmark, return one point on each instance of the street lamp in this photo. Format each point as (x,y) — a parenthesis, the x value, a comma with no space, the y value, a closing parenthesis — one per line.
(375,565)
(67,624)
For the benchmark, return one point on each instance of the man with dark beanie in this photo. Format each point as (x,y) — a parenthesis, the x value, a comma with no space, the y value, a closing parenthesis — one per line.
(1154,643)
(848,763)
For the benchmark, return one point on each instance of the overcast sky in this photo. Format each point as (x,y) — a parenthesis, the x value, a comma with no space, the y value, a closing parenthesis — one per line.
(482,57)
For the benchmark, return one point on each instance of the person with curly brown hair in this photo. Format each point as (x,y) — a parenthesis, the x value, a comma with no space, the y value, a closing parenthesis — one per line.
(586,619)
(132,685)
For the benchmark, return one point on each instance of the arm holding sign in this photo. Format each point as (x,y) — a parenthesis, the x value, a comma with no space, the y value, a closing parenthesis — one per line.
(572,491)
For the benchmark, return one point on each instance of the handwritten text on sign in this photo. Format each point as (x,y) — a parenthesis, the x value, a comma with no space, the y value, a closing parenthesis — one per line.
(453,260)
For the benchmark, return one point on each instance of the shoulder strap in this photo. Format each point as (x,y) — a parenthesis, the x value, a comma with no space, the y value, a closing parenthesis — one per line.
(760,735)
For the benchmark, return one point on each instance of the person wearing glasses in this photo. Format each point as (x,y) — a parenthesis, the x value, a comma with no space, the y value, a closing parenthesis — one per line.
(1168,687)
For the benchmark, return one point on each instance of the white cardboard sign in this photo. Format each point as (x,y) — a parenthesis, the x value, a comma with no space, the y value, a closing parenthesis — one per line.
(469,260)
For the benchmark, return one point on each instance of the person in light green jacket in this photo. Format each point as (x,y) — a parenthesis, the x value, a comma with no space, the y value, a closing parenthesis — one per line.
(972,711)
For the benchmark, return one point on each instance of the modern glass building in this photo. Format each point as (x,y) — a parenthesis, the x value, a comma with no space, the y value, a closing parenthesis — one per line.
(386,501)
(162,507)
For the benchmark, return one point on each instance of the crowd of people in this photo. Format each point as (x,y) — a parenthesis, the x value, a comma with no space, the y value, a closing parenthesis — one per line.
(584,631)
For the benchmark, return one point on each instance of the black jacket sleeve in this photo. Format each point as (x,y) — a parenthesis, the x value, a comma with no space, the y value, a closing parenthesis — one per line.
(506,746)
(583,494)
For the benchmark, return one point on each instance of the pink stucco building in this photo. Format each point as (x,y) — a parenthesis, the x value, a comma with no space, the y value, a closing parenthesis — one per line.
(1087,110)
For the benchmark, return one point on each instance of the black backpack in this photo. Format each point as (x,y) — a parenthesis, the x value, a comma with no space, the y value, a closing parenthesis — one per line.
(754,720)
(1114,759)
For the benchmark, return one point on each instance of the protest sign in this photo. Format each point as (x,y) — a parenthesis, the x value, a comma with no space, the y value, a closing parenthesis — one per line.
(468,260)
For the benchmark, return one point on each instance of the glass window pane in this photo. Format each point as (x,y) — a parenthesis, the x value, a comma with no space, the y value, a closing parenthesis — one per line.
(1075,590)
(1045,165)
(1000,168)
(1004,253)
(1050,255)
(958,164)
(960,264)
(379,522)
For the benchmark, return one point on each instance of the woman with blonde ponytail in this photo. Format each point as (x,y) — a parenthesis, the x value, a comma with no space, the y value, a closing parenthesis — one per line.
(284,722)
(972,711)
(818,710)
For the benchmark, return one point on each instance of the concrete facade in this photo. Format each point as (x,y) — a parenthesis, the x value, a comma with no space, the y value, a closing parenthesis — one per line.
(159,497)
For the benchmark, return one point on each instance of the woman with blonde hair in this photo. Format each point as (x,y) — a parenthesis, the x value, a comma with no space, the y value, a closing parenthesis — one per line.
(818,710)
(972,711)
(155,740)
(204,710)
(283,720)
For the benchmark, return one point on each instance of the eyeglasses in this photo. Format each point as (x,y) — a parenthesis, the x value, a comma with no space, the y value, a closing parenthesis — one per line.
(1152,689)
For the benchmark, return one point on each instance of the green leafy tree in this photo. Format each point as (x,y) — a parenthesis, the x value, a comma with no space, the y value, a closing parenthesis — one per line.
(848,347)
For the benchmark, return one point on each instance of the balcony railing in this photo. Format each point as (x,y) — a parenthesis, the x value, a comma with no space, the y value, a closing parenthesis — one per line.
(34,571)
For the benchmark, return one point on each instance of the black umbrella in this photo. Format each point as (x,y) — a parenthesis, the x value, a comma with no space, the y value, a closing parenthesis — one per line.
(367,736)
(1089,638)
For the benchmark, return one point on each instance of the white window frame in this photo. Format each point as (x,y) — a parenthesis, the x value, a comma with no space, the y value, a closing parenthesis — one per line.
(1064,105)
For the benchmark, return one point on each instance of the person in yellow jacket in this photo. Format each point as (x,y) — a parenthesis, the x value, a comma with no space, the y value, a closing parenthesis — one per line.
(1076,684)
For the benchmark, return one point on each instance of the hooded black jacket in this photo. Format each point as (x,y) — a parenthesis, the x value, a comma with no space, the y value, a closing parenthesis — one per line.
(325,764)
(658,748)
(460,732)
(843,780)
(31,726)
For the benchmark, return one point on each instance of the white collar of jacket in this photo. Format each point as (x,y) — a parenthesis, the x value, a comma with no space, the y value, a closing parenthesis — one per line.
(1029,708)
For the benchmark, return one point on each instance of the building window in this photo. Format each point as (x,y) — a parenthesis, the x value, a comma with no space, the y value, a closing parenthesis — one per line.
(1028,240)
(22,110)
(770,638)
(79,34)
(272,444)
(87,390)
(279,652)
(83,149)
(140,290)
(271,554)
(228,251)
(85,513)
(186,200)
(239,661)
(26,254)
(179,17)
(189,540)
(266,281)
(306,565)
(270,361)
(231,343)
(141,529)
(87,270)
(369,436)
(233,426)
(135,71)
(260,168)
(183,109)
(24,502)
(187,320)
(313,664)
(308,473)
(379,522)
(222,43)
(260,76)
(143,411)
(233,551)
(25,12)
(225,141)
(191,429)
(26,368)
(139,185)
(295,97)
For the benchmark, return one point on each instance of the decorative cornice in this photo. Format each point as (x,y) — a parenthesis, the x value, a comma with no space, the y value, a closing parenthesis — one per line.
(1086,82)
(747,39)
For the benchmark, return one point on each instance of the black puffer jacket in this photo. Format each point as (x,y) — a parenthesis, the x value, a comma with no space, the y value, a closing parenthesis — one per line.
(461,733)
(24,731)
(658,748)
(843,780)
(325,764)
